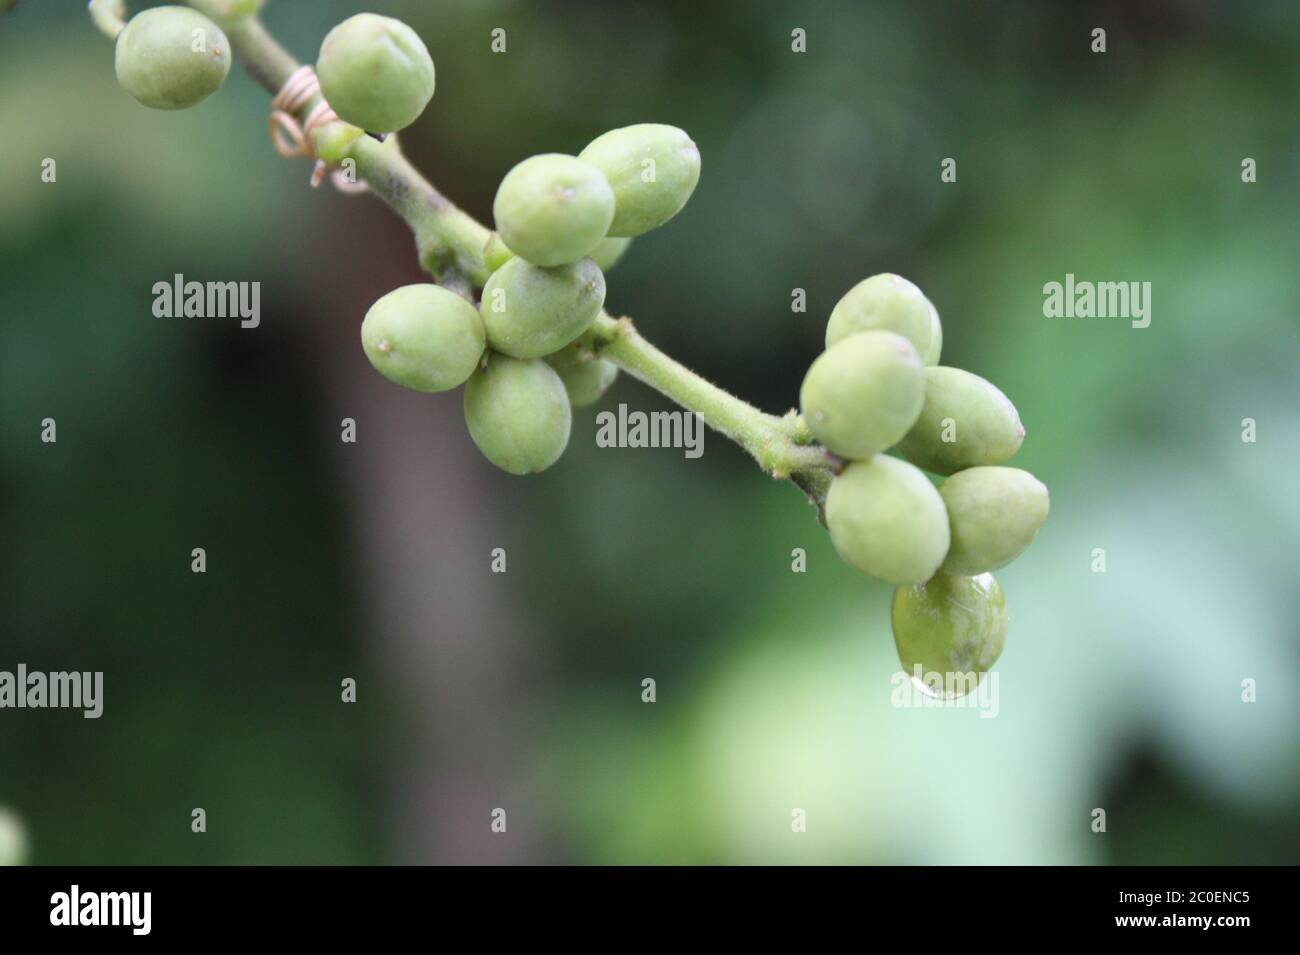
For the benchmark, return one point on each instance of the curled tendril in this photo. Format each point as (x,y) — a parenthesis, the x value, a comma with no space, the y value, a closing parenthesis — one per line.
(293,140)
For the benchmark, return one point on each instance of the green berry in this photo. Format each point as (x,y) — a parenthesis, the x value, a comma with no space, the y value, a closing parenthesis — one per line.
(887,520)
(518,413)
(965,422)
(227,11)
(936,339)
(375,72)
(423,337)
(884,302)
(553,209)
(608,251)
(993,514)
(585,376)
(171,57)
(653,169)
(863,393)
(530,311)
(951,626)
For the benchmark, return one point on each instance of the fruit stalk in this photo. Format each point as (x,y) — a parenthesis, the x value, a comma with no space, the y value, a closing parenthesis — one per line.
(762,435)
(452,244)
(109,16)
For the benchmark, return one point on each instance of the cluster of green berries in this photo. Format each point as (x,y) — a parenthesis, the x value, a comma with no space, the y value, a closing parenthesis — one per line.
(564,219)
(519,352)
(879,385)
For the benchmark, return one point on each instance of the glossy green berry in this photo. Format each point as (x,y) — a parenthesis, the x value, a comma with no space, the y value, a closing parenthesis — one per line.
(965,422)
(531,311)
(553,209)
(653,170)
(171,57)
(608,251)
(375,72)
(424,337)
(887,520)
(884,302)
(863,393)
(585,376)
(518,413)
(932,354)
(227,11)
(993,514)
(952,627)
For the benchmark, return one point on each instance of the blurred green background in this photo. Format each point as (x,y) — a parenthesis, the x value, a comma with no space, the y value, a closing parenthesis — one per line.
(522,691)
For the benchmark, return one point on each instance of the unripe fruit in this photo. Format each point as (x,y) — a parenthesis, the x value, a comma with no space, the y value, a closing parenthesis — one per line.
(608,251)
(951,626)
(423,337)
(884,302)
(375,72)
(171,57)
(530,311)
(931,356)
(863,393)
(993,514)
(965,422)
(518,414)
(553,209)
(887,520)
(653,170)
(585,376)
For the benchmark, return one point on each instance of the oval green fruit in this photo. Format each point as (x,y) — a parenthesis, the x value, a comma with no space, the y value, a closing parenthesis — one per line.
(653,170)
(965,422)
(586,377)
(884,302)
(608,251)
(553,209)
(171,57)
(863,393)
(531,311)
(993,514)
(375,72)
(423,337)
(518,413)
(887,520)
(951,629)
(932,354)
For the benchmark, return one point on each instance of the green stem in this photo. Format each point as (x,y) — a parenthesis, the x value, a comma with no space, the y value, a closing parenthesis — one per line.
(762,435)
(457,248)
(444,236)
(262,56)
